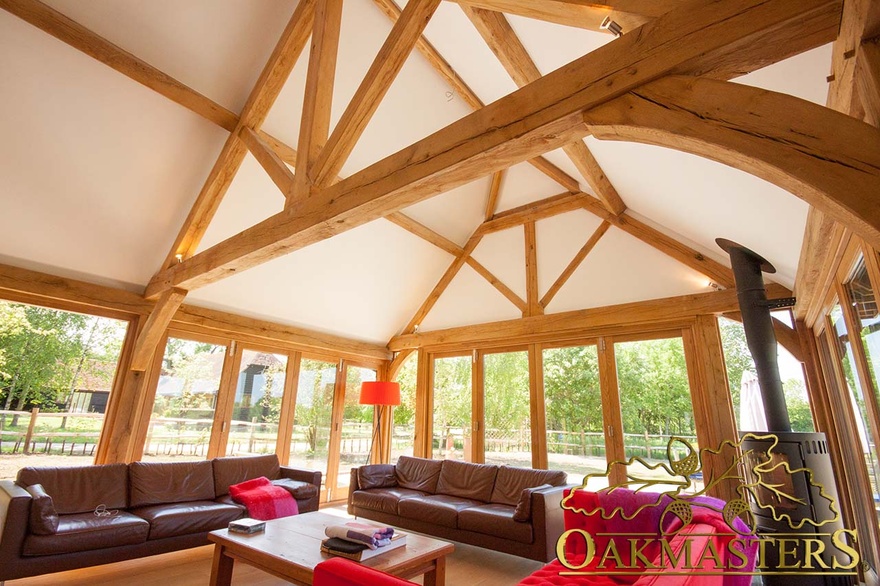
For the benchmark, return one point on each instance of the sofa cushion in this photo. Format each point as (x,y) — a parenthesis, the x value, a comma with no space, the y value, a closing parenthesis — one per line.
(237,469)
(418,473)
(439,509)
(80,489)
(384,500)
(43,519)
(153,483)
(511,481)
(470,481)
(297,489)
(523,512)
(495,519)
(173,519)
(376,476)
(85,531)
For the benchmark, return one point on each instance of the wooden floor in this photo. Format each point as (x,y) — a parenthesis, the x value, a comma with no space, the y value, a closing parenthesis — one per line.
(468,565)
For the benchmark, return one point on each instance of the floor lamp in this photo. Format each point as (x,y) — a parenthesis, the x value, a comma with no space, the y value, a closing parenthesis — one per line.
(379,393)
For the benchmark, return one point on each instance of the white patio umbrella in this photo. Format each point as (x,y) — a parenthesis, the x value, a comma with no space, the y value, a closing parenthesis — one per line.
(751,405)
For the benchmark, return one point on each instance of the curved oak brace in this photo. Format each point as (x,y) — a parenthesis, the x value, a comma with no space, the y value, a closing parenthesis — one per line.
(828,159)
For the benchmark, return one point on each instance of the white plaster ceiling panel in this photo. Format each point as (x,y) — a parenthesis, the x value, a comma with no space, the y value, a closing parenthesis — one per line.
(251,198)
(623,269)
(553,45)
(101,172)
(558,239)
(469,299)
(455,37)
(803,76)
(217,47)
(504,255)
(365,284)
(456,213)
(414,106)
(703,200)
(524,184)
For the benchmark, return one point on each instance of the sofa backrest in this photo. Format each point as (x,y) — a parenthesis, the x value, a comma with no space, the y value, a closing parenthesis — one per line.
(418,473)
(510,482)
(235,469)
(153,483)
(466,480)
(80,489)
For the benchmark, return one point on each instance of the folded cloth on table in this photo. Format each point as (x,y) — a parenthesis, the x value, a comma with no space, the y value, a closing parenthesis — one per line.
(369,535)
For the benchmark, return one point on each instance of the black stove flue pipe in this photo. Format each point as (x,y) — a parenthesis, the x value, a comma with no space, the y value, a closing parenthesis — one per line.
(761,339)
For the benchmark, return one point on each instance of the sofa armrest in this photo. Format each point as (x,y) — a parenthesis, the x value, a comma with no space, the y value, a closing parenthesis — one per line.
(310,476)
(342,572)
(547,518)
(15,507)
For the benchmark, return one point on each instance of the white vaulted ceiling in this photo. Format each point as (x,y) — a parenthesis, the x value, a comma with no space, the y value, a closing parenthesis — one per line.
(98,173)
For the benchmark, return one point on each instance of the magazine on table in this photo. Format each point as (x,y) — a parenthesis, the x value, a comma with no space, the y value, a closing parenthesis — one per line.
(359,551)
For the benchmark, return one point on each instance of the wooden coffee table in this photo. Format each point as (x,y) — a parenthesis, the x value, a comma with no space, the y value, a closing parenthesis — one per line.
(290,548)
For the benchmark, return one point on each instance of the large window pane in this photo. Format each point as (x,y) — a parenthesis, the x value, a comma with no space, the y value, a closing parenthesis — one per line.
(357,426)
(453,408)
(508,435)
(851,375)
(309,444)
(868,317)
(573,399)
(257,407)
(748,408)
(404,429)
(57,370)
(655,404)
(183,411)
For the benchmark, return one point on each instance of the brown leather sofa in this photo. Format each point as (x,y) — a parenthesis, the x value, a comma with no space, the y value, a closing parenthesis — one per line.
(51,521)
(513,510)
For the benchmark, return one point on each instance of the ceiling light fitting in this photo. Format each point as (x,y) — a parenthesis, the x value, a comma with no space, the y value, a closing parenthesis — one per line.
(611,26)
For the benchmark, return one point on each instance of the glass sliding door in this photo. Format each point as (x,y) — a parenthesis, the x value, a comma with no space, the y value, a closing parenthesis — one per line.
(404,429)
(573,405)
(257,404)
(858,399)
(453,408)
(655,404)
(507,434)
(182,419)
(310,437)
(357,429)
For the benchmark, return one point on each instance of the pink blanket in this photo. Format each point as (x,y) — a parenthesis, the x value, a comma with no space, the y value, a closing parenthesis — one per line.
(263,500)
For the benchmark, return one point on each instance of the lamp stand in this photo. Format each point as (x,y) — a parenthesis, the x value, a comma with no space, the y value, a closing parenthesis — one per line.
(375,433)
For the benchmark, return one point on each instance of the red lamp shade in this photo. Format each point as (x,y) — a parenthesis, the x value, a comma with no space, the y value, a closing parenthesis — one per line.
(380,393)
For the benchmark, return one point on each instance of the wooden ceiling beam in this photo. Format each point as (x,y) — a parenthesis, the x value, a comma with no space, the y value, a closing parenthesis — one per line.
(507,47)
(498,284)
(452,248)
(531,241)
(629,14)
(280,174)
(494,192)
(533,211)
(314,125)
(580,323)
(539,117)
(684,254)
(424,233)
(460,88)
(575,263)
(443,283)
(828,159)
(154,328)
(868,80)
(265,91)
(387,64)
(79,37)
(823,237)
